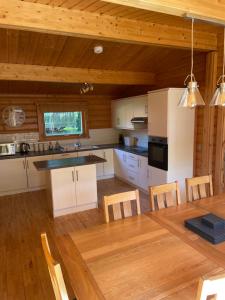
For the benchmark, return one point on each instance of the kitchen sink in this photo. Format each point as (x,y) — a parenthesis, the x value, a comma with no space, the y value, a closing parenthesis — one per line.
(87,147)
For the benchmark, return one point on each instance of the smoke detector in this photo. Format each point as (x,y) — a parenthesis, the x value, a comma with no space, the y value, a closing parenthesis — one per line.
(98,49)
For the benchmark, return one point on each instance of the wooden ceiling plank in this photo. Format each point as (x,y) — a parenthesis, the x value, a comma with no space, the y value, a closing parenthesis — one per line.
(73,75)
(204,8)
(36,17)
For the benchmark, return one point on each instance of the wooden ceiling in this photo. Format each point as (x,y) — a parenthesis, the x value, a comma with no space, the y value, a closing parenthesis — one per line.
(48,88)
(24,47)
(35,48)
(105,8)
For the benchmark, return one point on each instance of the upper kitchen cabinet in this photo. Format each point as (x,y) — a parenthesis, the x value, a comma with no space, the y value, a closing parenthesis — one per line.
(123,110)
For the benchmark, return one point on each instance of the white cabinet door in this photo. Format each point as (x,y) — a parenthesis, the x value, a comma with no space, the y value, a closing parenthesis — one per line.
(36,179)
(143,174)
(86,185)
(140,106)
(108,166)
(63,188)
(120,161)
(13,175)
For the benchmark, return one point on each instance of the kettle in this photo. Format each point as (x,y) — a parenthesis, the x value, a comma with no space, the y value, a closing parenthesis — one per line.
(24,148)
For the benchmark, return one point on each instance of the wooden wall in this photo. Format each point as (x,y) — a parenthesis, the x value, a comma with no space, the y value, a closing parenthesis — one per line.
(99,109)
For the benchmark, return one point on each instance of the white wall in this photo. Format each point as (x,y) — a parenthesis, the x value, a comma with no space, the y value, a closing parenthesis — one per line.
(97,136)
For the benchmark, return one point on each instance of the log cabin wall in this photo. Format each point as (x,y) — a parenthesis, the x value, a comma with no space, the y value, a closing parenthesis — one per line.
(99,109)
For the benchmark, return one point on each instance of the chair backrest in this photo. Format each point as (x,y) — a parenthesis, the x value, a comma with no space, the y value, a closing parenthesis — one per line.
(164,195)
(199,187)
(212,286)
(54,271)
(122,198)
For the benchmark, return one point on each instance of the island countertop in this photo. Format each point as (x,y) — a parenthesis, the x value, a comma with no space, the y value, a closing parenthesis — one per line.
(68,162)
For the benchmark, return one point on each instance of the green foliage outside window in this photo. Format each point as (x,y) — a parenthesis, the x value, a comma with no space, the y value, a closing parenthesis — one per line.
(63,123)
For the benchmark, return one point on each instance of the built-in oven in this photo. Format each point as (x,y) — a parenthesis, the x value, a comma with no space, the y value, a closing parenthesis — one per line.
(158,152)
(7,149)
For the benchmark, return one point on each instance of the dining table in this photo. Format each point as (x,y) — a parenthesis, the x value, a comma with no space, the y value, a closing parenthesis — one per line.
(150,256)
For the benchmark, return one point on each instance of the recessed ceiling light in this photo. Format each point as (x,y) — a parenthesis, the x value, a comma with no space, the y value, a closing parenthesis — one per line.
(98,49)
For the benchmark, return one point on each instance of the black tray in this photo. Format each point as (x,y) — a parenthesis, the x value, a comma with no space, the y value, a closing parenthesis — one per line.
(210,227)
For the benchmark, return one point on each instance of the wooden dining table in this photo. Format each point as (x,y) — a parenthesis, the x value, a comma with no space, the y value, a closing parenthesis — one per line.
(151,256)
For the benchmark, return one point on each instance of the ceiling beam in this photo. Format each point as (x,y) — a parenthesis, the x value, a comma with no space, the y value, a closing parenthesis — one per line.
(203,8)
(23,15)
(73,75)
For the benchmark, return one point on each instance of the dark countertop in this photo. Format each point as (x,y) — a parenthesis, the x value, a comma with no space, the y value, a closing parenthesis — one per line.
(131,149)
(68,162)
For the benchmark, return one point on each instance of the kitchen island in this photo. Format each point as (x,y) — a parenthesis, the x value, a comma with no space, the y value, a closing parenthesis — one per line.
(72,183)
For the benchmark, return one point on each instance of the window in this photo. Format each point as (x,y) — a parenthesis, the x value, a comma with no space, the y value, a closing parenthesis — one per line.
(63,123)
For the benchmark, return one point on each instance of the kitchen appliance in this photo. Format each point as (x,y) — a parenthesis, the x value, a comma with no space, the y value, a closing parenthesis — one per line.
(7,149)
(128,141)
(158,152)
(24,148)
(140,122)
(121,139)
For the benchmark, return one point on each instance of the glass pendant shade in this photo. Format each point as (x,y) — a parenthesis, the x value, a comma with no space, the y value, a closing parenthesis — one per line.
(219,96)
(191,96)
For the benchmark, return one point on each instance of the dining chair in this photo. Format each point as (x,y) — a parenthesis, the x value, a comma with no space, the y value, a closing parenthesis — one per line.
(164,195)
(55,271)
(123,199)
(199,187)
(211,286)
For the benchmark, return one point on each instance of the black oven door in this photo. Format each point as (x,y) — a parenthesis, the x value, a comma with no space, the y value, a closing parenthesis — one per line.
(158,153)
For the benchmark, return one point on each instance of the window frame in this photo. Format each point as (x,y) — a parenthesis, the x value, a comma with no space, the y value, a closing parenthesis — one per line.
(63,107)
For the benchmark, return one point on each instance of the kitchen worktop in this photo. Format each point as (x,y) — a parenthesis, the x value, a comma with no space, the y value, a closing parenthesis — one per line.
(68,162)
(131,149)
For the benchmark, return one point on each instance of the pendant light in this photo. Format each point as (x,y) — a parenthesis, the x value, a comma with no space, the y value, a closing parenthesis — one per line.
(191,96)
(218,98)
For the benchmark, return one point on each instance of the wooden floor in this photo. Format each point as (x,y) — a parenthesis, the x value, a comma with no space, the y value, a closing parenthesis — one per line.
(23,271)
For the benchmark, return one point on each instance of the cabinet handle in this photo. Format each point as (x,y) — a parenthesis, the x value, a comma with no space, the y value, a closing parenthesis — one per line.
(146,108)
(27,164)
(77,175)
(73,176)
(24,164)
(104,154)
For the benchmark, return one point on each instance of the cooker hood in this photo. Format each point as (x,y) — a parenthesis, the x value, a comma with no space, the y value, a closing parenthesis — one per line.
(139,120)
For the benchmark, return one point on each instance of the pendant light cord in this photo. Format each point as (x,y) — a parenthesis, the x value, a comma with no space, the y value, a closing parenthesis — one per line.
(192,47)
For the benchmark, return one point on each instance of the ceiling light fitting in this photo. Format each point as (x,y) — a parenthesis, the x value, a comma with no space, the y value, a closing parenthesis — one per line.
(191,96)
(86,87)
(218,98)
(98,49)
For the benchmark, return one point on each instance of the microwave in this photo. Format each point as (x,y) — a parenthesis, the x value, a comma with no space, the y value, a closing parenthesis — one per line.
(7,149)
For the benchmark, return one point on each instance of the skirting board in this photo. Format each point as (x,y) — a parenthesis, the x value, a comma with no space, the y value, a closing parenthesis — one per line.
(75,209)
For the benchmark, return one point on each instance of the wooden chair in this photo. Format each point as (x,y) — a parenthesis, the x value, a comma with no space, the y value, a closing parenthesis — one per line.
(116,200)
(211,288)
(162,195)
(196,187)
(54,271)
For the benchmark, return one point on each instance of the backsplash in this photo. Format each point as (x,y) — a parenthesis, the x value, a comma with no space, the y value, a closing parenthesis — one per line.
(141,135)
(97,136)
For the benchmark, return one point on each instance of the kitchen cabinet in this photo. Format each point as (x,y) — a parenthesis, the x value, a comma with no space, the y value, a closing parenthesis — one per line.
(13,176)
(123,110)
(63,189)
(73,189)
(86,187)
(103,170)
(35,178)
(108,166)
(132,168)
